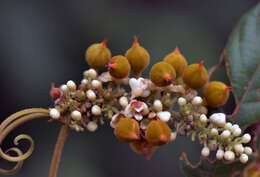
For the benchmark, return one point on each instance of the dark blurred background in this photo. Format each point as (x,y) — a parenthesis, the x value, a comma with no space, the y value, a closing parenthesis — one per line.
(43,41)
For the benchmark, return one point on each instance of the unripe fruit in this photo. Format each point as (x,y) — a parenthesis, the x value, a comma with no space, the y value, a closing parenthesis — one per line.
(119,67)
(138,58)
(177,60)
(98,55)
(158,133)
(127,129)
(144,148)
(162,74)
(216,94)
(195,76)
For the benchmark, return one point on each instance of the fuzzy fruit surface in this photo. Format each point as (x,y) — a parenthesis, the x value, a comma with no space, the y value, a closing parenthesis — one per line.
(138,58)
(98,56)
(195,76)
(127,130)
(177,60)
(120,67)
(162,74)
(144,148)
(216,94)
(158,133)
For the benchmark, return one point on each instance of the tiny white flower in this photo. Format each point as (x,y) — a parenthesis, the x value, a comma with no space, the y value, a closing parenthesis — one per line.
(157,104)
(91,95)
(220,154)
(92,126)
(237,132)
(84,81)
(138,86)
(229,155)
(197,100)
(182,101)
(138,117)
(203,118)
(96,110)
(214,132)
(221,121)
(76,115)
(54,113)
(123,101)
(246,138)
(96,84)
(173,136)
(91,73)
(64,88)
(239,148)
(105,77)
(214,118)
(248,150)
(243,158)
(235,126)
(225,134)
(228,126)
(164,116)
(205,152)
(71,85)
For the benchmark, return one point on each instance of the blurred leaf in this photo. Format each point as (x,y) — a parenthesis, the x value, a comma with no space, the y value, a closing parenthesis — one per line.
(243,57)
(206,168)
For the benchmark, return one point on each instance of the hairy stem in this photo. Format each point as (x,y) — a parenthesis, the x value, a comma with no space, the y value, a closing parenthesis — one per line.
(58,150)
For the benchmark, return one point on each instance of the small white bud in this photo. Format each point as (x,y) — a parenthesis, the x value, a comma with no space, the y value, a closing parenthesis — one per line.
(214,132)
(214,118)
(91,95)
(76,115)
(91,73)
(221,120)
(84,81)
(71,85)
(92,126)
(96,84)
(203,118)
(235,126)
(220,154)
(123,101)
(246,138)
(229,155)
(182,101)
(237,132)
(64,88)
(157,104)
(243,158)
(54,113)
(205,152)
(173,136)
(96,110)
(239,148)
(164,116)
(225,134)
(197,100)
(248,150)
(228,126)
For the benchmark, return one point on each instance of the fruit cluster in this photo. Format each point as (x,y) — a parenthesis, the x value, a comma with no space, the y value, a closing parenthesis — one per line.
(157,109)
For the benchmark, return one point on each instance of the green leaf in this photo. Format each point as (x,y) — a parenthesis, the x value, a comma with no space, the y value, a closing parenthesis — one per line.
(206,168)
(243,56)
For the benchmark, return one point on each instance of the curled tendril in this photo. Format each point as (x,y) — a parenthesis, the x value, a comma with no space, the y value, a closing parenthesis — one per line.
(11,123)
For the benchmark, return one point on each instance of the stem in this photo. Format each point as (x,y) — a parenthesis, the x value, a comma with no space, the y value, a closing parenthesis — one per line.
(58,150)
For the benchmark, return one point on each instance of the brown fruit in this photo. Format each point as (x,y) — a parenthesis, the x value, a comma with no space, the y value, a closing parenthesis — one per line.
(216,94)
(195,76)
(127,130)
(138,58)
(119,67)
(98,55)
(158,133)
(162,74)
(177,60)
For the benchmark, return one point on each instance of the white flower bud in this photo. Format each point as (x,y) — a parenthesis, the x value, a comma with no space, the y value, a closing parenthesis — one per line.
(173,136)
(91,95)
(225,134)
(203,118)
(214,132)
(54,113)
(96,110)
(96,84)
(164,116)
(221,120)
(84,81)
(229,155)
(220,154)
(239,148)
(64,88)
(76,115)
(157,104)
(237,132)
(228,126)
(205,152)
(71,85)
(182,101)
(235,126)
(91,73)
(248,150)
(123,101)
(246,138)
(197,100)
(243,158)
(92,126)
